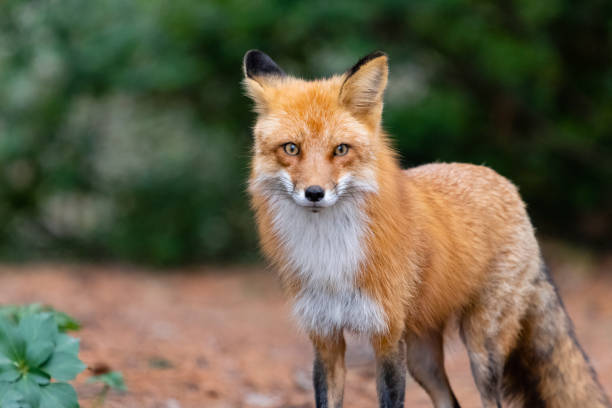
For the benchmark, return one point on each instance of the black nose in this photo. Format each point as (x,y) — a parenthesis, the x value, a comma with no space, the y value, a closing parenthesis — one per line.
(314,193)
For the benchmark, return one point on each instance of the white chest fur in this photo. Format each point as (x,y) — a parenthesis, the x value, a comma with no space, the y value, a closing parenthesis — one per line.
(327,250)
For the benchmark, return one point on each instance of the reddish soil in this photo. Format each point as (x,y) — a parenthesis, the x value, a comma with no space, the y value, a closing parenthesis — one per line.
(212,338)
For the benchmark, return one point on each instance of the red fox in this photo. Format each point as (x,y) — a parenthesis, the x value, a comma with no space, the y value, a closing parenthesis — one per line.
(364,246)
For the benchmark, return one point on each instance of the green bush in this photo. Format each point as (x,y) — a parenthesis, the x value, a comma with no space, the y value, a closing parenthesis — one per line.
(36,358)
(124,133)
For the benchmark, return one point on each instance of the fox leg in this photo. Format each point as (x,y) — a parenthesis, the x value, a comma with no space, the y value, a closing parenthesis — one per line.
(487,359)
(329,370)
(487,371)
(390,370)
(425,357)
(490,328)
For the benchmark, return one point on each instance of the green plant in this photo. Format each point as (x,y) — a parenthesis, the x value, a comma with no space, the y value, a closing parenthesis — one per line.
(111,380)
(36,358)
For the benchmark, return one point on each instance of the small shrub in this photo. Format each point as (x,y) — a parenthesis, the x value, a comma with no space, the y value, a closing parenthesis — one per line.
(36,358)
(112,380)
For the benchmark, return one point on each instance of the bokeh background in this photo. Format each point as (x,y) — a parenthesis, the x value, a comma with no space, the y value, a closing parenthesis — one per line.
(125,134)
(124,149)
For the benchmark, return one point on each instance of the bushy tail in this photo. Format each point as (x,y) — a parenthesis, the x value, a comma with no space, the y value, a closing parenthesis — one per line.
(548,368)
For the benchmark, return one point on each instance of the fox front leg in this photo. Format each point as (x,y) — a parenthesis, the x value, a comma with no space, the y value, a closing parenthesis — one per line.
(329,370)
(390,371)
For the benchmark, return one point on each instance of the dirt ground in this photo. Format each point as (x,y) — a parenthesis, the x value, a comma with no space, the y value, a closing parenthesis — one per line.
(222,337)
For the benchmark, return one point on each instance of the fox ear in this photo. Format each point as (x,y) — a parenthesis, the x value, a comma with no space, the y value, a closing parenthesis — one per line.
(364,85)
(258,64)
(260,71)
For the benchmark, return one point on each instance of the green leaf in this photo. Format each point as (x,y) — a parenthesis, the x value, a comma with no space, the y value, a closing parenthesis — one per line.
(38,376)
(63,366)
(39,331)
(9,373)
(13,399)
(37,327)
(10,312)
(67,344)
(12,345)
(4,360)
(58,395)
(37,352)
(30,391)
(65,322)
(4,388)
(113,379)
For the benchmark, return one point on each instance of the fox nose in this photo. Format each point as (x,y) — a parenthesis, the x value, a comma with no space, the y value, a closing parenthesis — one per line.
(314,193)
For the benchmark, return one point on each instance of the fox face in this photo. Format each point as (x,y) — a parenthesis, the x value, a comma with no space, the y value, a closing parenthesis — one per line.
(315,141)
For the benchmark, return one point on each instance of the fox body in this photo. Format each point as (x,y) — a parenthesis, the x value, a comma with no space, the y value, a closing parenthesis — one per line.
(364,246)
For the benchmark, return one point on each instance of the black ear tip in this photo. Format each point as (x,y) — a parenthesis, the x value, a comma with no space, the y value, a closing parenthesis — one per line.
(371,56)
(375,54)
(257,63)
(250,61)
(252,55)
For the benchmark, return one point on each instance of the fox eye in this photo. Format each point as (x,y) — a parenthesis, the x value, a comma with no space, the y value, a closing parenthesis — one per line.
(291,149)
(341,149)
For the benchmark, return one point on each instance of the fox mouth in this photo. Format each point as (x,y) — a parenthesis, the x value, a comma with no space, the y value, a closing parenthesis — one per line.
(315,208)
(279,186)
(328,200)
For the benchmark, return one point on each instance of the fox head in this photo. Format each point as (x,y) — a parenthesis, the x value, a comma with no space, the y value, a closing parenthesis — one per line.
(316,142)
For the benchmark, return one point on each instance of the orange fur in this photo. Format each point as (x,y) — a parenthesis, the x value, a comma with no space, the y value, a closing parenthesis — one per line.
(428,237)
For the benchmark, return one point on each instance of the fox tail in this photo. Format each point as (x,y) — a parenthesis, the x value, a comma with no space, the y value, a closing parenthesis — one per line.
(549,368)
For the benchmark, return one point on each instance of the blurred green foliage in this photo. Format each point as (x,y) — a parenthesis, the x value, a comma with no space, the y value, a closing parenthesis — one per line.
(124,132)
